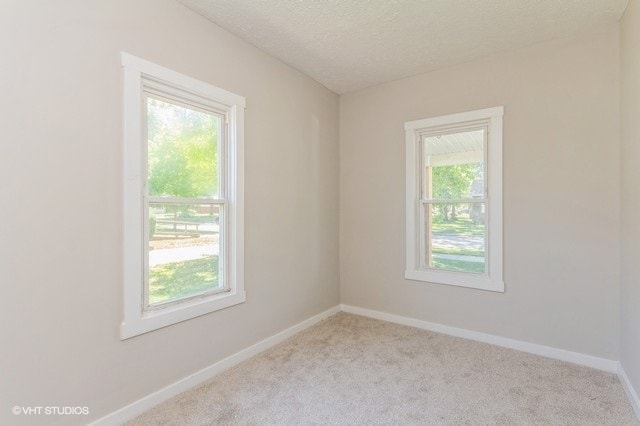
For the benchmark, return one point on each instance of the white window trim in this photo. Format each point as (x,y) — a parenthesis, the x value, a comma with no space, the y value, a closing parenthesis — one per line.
(492,280)
(137,320)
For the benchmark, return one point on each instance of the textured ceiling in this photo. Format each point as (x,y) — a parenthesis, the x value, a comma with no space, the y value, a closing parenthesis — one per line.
(351,44)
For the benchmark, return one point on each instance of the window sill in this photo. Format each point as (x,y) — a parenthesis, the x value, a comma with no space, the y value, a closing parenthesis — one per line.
(458,279)
(140,323)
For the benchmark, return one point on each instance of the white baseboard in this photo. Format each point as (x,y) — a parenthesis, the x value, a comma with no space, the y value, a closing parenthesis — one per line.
(634,399)
(603,364)
(144,404)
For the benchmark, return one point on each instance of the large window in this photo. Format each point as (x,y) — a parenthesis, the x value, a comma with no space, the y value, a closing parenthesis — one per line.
(454,199)
(183,197)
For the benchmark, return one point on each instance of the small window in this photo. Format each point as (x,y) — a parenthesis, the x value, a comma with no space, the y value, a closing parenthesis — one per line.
(183,197)
(454,199)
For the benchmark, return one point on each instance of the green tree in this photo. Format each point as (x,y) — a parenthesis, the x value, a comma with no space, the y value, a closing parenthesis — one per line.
(182,151)
(453,181)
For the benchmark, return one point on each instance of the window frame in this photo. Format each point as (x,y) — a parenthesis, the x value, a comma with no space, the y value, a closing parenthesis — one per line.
(142,77)
(415,131)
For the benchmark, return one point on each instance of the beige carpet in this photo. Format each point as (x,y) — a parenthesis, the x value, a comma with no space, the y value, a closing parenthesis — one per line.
(354,370)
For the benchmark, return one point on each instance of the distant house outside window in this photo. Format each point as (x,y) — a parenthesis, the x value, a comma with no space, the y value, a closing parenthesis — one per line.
(454,199)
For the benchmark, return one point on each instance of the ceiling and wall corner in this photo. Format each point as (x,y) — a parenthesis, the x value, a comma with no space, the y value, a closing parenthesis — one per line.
(350,45)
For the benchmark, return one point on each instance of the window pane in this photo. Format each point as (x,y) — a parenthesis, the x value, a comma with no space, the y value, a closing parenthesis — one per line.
(183,151)
(454,165)
(455,236)
(184,251)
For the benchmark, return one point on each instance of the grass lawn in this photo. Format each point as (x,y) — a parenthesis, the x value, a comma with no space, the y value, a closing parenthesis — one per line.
(462,226)
(466,251)
(458,265)
(181,279)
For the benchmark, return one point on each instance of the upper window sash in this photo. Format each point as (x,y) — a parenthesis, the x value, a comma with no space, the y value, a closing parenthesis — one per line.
(421,136)
(166,93)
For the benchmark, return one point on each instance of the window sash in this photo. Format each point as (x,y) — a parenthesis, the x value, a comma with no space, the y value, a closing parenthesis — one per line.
(423,239)
(173,96)
(447,130)
(222,251)
(223,190)
(453,200)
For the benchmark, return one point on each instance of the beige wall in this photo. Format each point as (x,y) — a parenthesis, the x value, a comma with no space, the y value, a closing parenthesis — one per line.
(561,194)
(630,230)
(61,214)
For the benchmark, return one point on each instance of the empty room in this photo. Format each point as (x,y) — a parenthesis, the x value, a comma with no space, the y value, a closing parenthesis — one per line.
(320,212)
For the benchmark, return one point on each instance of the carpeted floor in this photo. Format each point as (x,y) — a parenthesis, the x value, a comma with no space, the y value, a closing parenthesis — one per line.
(354,370)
